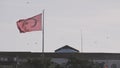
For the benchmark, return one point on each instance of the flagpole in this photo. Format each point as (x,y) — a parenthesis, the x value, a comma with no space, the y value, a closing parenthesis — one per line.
(81,41)
(43,56)
(43,32)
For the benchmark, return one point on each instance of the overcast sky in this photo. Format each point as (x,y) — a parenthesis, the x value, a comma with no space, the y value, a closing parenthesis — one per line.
(98,20)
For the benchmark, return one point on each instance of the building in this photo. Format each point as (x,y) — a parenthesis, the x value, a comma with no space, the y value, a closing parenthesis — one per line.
(108,60)
(60,56)
(66,49)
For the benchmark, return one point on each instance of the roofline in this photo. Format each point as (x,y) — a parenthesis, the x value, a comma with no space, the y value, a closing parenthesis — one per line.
(97,56)
(67,46)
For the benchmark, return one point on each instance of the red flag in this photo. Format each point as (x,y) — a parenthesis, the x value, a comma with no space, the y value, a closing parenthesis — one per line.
(30,24)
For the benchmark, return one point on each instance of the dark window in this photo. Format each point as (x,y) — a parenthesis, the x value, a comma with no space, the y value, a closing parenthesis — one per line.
(113,66)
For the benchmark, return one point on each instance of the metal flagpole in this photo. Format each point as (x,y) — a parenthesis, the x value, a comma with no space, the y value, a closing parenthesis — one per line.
(81,41)
(43,31)
(43,56)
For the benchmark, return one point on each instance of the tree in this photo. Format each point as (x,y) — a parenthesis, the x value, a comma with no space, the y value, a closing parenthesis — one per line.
(40,62)
(75,62)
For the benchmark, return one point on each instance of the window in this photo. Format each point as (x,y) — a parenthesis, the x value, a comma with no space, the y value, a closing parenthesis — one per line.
(113,66)
(3,59)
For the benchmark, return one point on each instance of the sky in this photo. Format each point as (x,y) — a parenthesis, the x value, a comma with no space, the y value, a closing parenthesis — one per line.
(65,21)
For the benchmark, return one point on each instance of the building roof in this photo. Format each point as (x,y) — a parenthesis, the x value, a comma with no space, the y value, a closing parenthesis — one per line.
(66,47)
(95,56)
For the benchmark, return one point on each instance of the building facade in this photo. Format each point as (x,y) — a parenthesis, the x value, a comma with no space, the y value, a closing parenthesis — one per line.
(60,56)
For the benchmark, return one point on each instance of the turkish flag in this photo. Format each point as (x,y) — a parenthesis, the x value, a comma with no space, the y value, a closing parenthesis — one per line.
(30,24)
